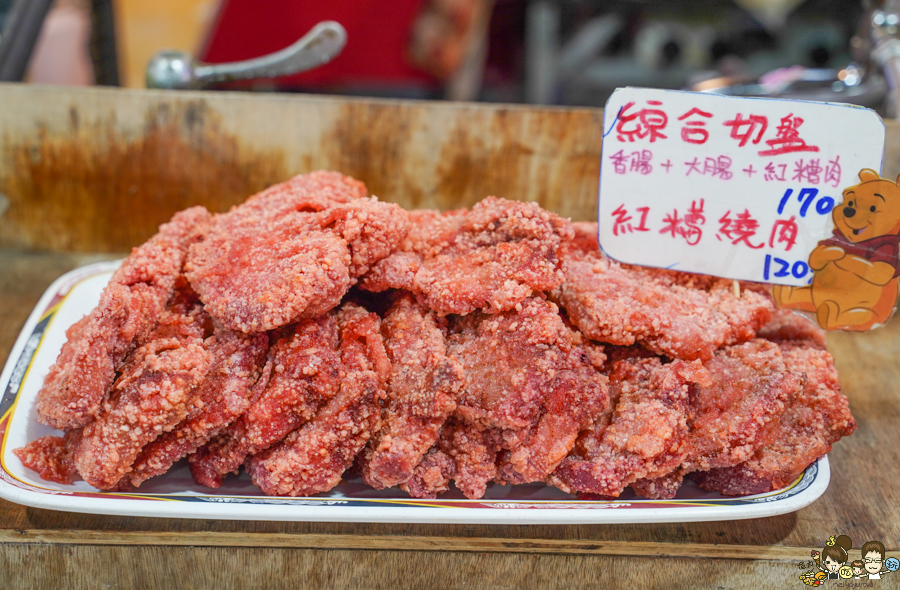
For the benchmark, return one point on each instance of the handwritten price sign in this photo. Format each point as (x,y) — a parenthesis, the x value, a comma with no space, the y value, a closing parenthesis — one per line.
(740,188)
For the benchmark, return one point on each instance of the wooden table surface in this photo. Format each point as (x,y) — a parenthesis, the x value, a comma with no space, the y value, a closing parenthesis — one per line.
(47,549)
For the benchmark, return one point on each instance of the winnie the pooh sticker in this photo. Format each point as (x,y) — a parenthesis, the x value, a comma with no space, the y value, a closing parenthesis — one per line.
(854,285)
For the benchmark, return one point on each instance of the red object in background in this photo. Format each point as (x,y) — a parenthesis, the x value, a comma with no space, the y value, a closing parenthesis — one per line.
(378,34)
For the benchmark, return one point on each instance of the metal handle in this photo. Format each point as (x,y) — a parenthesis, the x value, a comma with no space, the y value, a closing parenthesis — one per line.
(177,70)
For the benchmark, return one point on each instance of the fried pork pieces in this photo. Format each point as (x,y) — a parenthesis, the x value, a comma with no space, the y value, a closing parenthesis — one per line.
(303,371)
(490,258)
(530,387)
(816,418)
(495,344)
(313,458)
(129,309)
(674,314)
(291,251)
(422,390)
(647,433)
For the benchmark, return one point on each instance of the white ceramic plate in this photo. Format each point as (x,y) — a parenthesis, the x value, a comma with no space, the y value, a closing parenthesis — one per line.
(176,495)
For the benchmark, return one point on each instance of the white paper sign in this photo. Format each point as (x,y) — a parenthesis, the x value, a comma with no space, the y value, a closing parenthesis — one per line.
(739,188)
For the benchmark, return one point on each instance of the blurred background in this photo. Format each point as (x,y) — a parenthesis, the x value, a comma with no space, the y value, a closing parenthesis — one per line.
(556,52)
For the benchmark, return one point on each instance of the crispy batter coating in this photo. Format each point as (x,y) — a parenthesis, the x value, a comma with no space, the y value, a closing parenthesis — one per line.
(129,308)
(313,458)
(431,476)
(303,371)
(151,396)
(292,251)
(645,436)
(787,325)
(313,192)
(256,279)
(627,376)
(491,258)
(50,402)
(739,411)
(510,359)
(52,457)
(371,229)
(660,488)
(576,396)
(679,315)
(235,367)
(430,232)
(530,386)
(585,237)
(473,449)
(813,421)
(421,392)
(624,353)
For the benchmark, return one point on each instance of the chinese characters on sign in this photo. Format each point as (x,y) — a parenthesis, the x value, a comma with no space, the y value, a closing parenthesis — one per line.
(651,121)
(735,187)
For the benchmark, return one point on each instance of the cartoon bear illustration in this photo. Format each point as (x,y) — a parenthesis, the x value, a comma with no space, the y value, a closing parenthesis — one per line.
(855,272)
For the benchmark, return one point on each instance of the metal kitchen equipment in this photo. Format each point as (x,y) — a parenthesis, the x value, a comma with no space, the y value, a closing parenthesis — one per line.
(179,71)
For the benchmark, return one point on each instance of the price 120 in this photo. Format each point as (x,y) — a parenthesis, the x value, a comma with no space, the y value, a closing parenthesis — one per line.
(779,268)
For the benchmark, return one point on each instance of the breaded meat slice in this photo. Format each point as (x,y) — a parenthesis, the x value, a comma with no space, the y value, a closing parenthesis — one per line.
(679,315)
(52,457)
(740,410)
(153,394)
(421,389)
(474,449)
(236,363)
(310,193)
(645,436)
(258,279)
(817,418)
(313,458)
(432,476)
(292,251)
(491,258)
(129,308)
(303,371)
(738,413)
(575,397)
(531,385)
(659,488)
